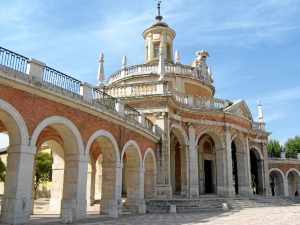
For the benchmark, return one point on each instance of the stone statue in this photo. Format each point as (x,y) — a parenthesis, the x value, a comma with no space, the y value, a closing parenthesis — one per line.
(202,71)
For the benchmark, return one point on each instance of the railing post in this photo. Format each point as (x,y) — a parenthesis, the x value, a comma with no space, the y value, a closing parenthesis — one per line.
(86,91)
(35,68)
(120,108)
(142,119)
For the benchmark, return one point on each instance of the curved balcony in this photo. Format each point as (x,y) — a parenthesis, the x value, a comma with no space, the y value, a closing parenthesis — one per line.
(143,69)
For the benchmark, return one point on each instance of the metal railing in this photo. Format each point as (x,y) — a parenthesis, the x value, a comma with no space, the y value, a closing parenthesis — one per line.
(13,60)
(104,99)
(131,113)
(62,80)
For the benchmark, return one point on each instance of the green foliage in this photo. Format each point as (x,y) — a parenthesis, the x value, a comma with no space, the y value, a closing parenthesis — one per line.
(292,147)
(274,148)
(43,168)
(2,171)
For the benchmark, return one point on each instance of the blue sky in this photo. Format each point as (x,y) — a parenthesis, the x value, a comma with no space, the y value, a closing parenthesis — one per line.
(254,45)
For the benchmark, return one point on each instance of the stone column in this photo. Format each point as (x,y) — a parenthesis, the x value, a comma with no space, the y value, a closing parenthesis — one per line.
(109,195)
(57,187)
(16,202)
(133,176)
(193,164)
(73,205)
(118,203)
(163,178)
(229,190)
(285,187)
(98,180)
(266,184)
(184,160)
(90,189)
(201,172)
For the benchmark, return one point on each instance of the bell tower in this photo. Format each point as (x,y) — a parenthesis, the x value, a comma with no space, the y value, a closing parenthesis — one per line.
(159,37)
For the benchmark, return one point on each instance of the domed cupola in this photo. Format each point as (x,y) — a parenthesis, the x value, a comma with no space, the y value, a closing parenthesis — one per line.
(159,36)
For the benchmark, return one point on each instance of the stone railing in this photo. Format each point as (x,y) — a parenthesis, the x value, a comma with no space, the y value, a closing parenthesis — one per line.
(200,102)
(152,69)
(138,89)
(258,126)
(55,79)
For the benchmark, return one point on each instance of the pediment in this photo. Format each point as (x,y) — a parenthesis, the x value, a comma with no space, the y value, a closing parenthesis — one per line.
(240,108)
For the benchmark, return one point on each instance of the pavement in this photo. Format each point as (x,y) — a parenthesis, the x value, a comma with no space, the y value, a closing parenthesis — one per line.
(274,215)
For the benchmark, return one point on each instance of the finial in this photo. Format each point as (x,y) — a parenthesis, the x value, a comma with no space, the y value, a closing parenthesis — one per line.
(100,76)
(177,57)
(124,61)
(260,114)
(158,17)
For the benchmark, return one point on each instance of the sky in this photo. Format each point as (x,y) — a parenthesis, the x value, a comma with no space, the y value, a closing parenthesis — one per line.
(254,45)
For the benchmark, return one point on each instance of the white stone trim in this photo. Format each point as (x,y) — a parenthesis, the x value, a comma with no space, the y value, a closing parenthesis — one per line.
(290,170)
(257,150)
(211,131)
(278,170)
(182,132)
(136,147)
(24,137)
(151,152)
(109,136)
(58,120)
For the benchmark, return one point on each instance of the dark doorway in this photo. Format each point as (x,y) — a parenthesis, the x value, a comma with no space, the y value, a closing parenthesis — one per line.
(234,168)
(254,173)
(177,169)
(208,176)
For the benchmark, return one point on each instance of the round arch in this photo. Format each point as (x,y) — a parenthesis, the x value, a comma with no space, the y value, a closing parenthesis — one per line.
(180,133)
(17,130)
(151,152)
(135,146)
(277,182)
(109,136)
(215,136)
(292,170)
(239,142)
(57,121)
(277,170)
(257,152)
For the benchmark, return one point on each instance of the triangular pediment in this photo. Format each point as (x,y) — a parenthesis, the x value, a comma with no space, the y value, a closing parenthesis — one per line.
(240,108)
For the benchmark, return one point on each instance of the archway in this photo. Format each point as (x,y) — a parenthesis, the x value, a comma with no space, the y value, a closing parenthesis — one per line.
(240,168)
(178,160)
(276,182)
(69,144)
(132,191)
(207,171)
(103,179)
(256,170)
(293,180)
(17,189)
(149,174)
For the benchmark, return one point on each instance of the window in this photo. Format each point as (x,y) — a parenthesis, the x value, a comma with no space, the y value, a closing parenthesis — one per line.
(156,50)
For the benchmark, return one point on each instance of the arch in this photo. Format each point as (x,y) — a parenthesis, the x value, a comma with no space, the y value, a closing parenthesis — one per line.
(151,152)
(292,170)
(106,134)
(277,182)
(149,165)
(135,146)
(239,142)
(278,170)
(17,130)
(219,142)
(180,133)
(257,152)
(57,121)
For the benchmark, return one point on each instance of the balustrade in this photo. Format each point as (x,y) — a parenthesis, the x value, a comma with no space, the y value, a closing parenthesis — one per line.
(104,99)
(13,60)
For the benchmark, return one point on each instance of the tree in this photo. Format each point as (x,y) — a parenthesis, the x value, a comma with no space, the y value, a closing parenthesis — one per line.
(292,147)
(274,148)
(43,169)
(2,171)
